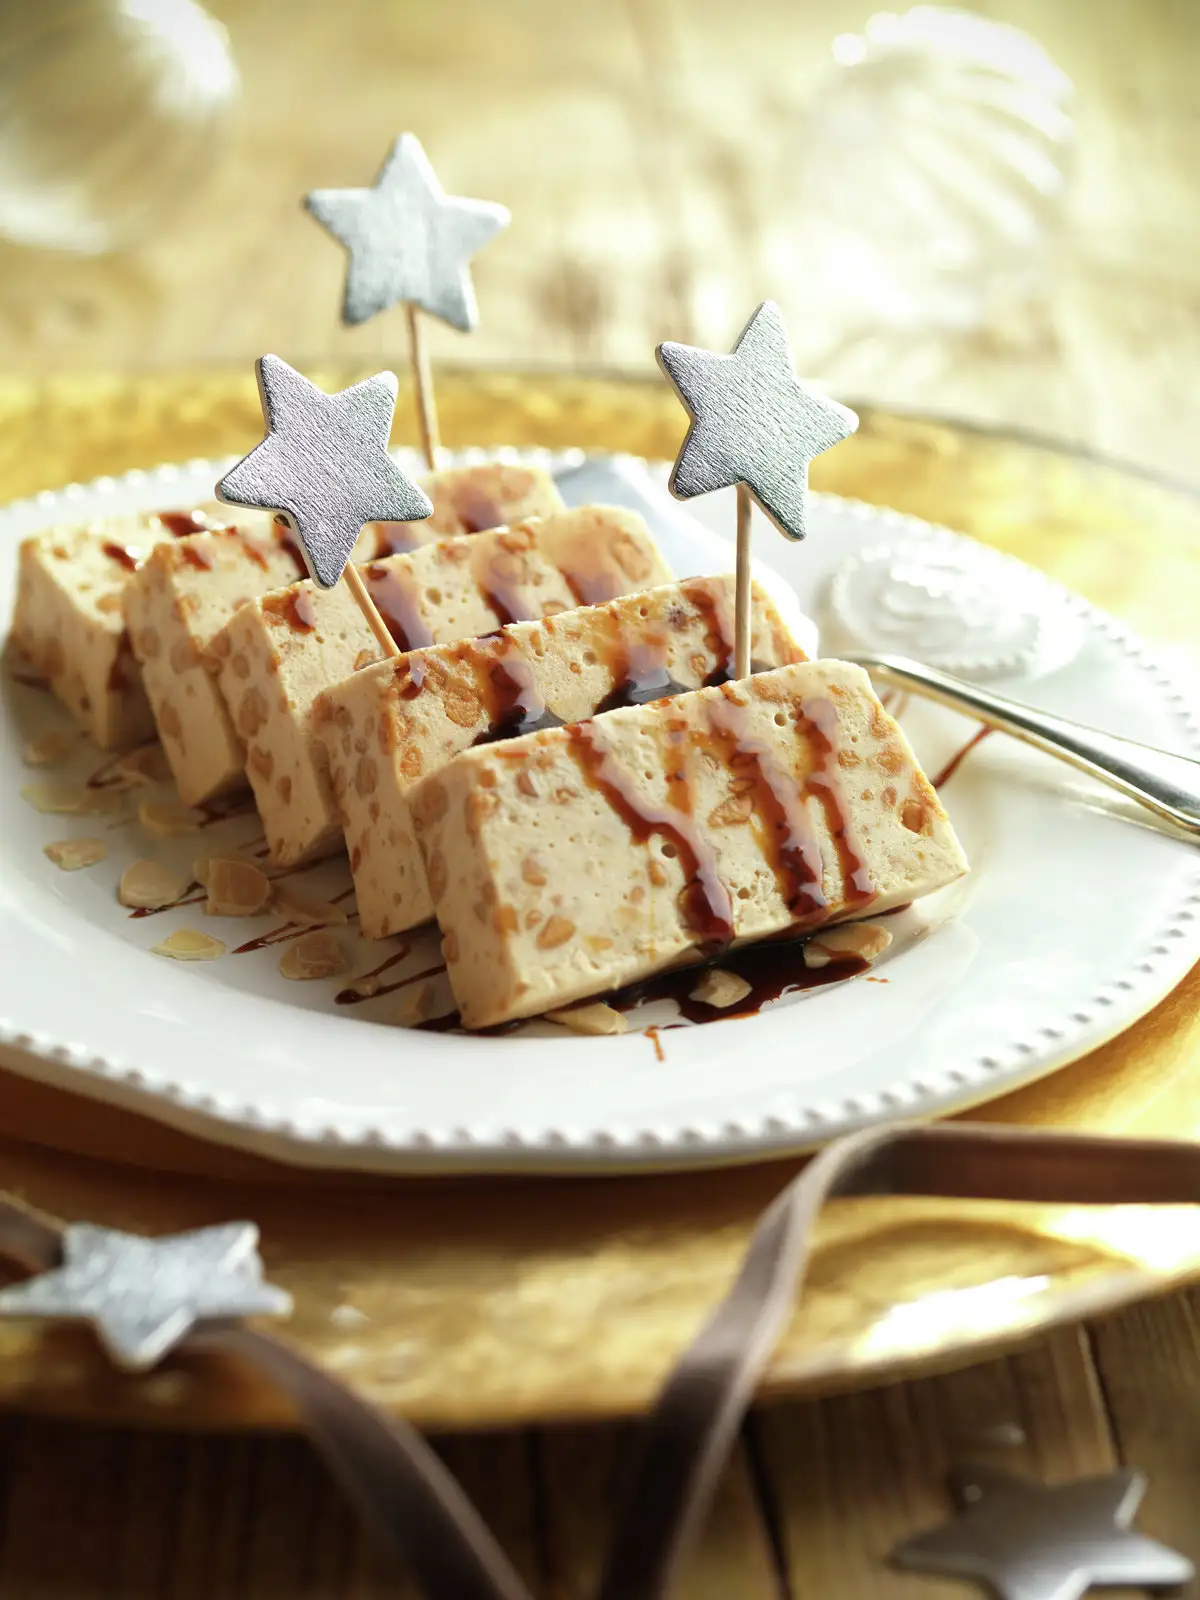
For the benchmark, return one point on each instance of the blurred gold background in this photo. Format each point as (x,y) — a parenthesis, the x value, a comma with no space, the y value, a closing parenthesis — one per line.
(647,150)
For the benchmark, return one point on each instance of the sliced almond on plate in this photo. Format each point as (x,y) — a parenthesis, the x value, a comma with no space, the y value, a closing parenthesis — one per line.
(147,764)
(235,888)
(416,1004)
(149,886)
(307,909)
(47,750)
(314,955)
(185,944)
(166,820)
(58,799)
(71,854)
(720,989)
(845,942)
(596,1018)
(202,865)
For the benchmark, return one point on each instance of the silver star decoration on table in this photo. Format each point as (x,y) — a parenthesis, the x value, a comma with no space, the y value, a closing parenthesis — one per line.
(325,464)
(1033,1541)
(143,1295)
(408,240)
(753,422)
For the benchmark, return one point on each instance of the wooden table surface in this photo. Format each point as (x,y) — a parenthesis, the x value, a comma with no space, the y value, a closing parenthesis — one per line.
(645,149)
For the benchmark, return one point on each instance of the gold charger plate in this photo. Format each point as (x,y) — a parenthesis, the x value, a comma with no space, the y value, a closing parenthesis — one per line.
(466,1303)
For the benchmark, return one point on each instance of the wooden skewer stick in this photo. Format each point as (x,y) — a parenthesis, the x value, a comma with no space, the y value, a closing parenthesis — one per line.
(370,611)
(427,417)
(741,624)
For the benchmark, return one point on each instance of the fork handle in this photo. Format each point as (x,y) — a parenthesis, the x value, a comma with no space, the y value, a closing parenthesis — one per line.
(1167,784)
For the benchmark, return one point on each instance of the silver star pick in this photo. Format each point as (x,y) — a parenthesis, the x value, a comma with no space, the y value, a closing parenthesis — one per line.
(408,240)
(143,1295)
(325,463)
(753,422)
(1031,1541)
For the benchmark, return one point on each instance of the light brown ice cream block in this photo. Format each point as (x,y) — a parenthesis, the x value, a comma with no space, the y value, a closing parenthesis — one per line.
(394,723)
(70,623)
(175,604)
(279,652)
(571,862)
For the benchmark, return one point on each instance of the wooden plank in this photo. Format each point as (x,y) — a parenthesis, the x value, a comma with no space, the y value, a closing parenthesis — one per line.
(179,1517)
(1148,1362)
(581,1474)
(497,1475)
(151,1516)
(854,1475)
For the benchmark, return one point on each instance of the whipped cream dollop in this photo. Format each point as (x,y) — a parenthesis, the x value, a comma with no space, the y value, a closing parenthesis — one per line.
(970,611)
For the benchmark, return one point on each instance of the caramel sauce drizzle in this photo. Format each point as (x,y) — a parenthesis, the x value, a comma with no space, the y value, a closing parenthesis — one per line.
(716,639)
(286,931)
(959,756)
(394,538)
(351,995)
(118,677)
(706,901)
(778,801)
(124,555)
(475,510)
(397,596)
(772,969)
(181,523)
(287,543)
(639,670)
(511,698)
(500,576)
(591,575)
(818,721)
(199,556)
(252,547)
(299,611)
(290,548)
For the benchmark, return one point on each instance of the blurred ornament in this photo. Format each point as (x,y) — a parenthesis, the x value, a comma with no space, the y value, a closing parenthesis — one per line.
(935,162)
(144,1295)
(111,112)
(1036,1541)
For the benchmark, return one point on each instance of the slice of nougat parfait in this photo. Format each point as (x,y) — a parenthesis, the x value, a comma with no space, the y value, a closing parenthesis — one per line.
(577,860)
(69,617)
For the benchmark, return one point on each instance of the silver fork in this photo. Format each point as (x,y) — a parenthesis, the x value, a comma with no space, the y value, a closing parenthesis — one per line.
(1166,784)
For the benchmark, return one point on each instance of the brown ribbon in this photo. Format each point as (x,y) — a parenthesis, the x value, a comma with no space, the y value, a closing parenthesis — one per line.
(400,1488)
(414,1505)
(692,1428)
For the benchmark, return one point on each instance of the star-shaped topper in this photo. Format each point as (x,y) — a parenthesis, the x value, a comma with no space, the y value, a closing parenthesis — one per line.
(408,240)
(325,463)
(1029,1541)
(143,1295)
(753,422)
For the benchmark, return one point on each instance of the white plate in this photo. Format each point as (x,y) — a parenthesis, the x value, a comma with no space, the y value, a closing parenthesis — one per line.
(1073,923)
